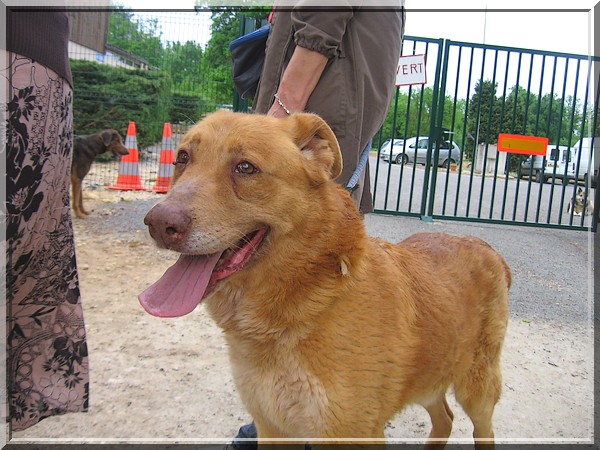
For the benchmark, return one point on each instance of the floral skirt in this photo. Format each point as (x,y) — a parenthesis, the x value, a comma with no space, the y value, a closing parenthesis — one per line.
(47,358)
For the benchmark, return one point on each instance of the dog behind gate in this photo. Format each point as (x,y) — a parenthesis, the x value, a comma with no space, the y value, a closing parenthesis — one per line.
(582,202)
(330,332)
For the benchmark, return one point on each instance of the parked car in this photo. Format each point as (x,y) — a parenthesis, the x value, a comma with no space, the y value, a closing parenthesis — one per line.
(386,149)
(534,172)
(573,163)
(414,150)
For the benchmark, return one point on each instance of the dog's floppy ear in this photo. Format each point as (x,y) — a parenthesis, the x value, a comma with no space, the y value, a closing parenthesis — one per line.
(106,137)
(317,142)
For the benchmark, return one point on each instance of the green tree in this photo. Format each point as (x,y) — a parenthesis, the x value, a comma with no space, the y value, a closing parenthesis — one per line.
(418,115)
(393,125)
(592,124)
(99,102)
(409,115)
(482,120)
(573,117)
(557,117)
(184,63)
(454,118)
(225,27)
(137,36)
(518,111)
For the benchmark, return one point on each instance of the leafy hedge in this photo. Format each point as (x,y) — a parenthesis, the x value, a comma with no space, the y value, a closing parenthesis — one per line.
(111,97)
(189,108)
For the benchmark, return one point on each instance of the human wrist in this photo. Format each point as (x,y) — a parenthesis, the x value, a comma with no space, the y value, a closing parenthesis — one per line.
(281,104)
(292,97)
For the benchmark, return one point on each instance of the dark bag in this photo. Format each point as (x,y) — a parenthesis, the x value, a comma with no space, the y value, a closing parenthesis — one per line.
(248,57)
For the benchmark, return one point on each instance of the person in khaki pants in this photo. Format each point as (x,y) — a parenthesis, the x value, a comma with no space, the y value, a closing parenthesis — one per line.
(339,63)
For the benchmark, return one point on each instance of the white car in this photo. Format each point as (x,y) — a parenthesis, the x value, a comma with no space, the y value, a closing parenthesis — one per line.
(387,147)
(414,150)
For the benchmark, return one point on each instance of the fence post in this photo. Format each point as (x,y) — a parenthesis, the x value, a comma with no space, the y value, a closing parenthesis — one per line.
(427,213)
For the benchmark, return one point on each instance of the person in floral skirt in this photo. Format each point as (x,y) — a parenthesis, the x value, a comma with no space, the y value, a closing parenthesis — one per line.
(47,357)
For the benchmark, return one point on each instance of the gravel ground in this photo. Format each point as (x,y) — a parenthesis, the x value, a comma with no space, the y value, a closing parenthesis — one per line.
(169,381)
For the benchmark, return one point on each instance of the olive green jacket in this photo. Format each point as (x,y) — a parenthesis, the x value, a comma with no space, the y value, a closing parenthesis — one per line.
(354,92)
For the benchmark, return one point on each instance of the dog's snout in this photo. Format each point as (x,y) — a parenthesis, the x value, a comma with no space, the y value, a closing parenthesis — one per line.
(119,150)
(169,225)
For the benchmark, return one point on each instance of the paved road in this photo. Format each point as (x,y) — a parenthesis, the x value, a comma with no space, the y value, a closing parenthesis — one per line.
(400,188)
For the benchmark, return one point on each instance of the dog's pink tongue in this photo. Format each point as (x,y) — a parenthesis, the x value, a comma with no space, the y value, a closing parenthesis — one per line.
(181,287)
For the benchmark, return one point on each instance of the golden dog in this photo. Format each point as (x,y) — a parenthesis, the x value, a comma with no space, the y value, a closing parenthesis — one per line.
(330,332)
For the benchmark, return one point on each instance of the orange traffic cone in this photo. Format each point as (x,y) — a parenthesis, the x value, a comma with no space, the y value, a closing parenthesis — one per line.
(165,166)
(129,169)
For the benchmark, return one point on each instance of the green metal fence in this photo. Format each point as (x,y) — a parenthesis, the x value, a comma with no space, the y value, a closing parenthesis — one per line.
(477,92)
(473,93)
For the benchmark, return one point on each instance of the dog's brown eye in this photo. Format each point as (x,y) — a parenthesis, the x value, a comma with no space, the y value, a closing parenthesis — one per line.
(183,157)
(245,168)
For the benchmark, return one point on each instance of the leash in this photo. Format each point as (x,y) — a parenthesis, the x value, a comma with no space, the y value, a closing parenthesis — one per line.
(360,167)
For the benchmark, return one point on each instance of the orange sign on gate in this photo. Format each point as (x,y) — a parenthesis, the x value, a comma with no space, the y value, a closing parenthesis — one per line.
(525,145)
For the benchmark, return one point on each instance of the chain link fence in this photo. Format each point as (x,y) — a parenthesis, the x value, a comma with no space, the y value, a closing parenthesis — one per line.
(154,69)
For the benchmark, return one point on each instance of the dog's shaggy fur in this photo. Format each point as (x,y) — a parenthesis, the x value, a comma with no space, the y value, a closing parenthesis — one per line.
(582,202)
(330,332)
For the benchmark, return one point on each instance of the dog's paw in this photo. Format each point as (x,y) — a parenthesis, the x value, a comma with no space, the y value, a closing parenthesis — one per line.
(80,214)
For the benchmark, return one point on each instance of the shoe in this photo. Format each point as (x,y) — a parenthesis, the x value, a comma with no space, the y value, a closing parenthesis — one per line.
(247,431)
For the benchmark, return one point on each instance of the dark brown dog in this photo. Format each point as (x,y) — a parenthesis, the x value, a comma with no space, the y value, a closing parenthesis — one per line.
(85,151)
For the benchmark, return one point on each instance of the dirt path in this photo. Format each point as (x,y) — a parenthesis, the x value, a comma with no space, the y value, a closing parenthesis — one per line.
(169,380)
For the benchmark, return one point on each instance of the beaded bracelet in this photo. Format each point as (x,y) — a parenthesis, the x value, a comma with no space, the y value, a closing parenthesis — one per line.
(282,105)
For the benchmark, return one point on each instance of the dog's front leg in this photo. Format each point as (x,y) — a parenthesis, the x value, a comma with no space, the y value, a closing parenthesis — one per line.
(76,197)
(81,208)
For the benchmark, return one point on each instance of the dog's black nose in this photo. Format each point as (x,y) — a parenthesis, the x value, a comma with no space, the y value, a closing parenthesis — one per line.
(169,225)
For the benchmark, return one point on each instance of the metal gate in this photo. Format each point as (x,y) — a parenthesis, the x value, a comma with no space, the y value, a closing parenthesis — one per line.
(437,152)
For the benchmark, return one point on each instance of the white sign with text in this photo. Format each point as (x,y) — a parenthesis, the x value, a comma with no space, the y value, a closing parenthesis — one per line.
(411,70)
